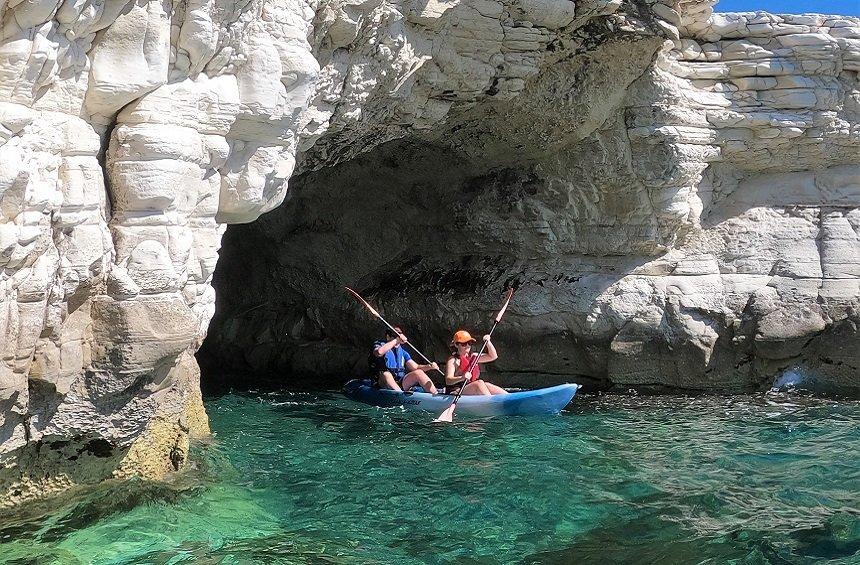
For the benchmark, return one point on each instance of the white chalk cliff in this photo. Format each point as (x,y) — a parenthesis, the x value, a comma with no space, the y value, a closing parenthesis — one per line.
(675,190)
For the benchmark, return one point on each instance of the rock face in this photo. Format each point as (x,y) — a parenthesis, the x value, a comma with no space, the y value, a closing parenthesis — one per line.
(132,131)
(676,198)
(675,191)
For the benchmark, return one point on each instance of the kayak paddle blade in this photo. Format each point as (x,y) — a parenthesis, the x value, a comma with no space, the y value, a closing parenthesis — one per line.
(508,295)
(366,304)
(447,415)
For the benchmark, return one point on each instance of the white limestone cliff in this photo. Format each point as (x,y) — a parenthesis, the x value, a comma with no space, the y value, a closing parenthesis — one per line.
(676,197)
(132,132)
(691,176)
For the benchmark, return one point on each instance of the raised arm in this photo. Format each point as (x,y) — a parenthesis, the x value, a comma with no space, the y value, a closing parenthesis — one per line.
(489,353)
(389,345)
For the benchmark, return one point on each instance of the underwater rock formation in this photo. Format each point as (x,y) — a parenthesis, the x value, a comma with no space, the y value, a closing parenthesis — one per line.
(674,191)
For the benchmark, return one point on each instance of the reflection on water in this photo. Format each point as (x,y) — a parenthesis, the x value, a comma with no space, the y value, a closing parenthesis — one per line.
(309,478)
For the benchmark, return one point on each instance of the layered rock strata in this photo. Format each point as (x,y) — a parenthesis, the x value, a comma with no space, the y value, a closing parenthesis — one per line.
(132,132)
(677,213)
(675,191)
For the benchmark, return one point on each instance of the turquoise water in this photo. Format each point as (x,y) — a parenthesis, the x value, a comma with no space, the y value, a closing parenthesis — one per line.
(314,478)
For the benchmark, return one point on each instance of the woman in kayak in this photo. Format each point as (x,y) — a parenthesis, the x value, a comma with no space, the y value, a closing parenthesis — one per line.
(457,368)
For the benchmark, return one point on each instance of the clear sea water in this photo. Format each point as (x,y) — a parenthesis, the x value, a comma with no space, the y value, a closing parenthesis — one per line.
(313,478)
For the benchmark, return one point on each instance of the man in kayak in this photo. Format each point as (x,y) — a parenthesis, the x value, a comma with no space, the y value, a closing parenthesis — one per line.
(457,369)
(394,367)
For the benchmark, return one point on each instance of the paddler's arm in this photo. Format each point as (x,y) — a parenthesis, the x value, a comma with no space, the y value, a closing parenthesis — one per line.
(490,354)
(413,366)
(450,373)
(388,346)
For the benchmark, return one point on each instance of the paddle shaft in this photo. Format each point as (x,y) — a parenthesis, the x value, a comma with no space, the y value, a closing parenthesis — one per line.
(390,327)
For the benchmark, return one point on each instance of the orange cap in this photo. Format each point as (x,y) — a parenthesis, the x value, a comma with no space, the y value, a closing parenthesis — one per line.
(462,336)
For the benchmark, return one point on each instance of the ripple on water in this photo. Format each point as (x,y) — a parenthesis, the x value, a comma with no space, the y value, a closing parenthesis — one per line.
(309,478)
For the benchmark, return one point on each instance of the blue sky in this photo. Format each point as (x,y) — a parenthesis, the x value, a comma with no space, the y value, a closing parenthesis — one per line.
(842,7)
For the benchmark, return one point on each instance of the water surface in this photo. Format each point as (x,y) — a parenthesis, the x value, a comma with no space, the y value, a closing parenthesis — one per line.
(315,478)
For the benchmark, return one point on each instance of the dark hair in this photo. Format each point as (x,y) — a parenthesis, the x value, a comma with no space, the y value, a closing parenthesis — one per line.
(389,333)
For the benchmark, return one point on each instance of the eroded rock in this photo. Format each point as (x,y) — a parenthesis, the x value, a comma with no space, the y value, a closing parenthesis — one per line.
(675,213)
(674,190)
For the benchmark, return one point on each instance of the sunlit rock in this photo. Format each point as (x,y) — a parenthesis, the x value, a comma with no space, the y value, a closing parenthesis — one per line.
(674,191)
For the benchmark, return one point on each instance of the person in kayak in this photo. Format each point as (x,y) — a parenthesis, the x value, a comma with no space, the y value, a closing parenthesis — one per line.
(457,368)
(394,368)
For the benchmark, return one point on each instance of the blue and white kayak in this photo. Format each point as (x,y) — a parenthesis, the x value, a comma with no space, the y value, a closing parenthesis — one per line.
(548,400)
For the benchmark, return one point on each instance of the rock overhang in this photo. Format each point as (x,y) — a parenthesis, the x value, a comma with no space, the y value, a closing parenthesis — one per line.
(620,189)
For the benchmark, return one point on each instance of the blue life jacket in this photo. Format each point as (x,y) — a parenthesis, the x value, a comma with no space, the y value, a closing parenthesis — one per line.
(394,360)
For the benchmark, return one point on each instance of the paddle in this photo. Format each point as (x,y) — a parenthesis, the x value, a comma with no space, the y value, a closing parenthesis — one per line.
(390,327)
(448,414)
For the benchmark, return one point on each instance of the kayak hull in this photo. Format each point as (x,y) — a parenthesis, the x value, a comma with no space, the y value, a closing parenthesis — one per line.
(548,400)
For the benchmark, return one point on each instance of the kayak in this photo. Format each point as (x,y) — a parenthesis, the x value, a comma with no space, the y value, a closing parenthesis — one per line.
(548,400)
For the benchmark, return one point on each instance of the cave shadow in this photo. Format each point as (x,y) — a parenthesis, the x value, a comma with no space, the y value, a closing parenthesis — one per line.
(430,238)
